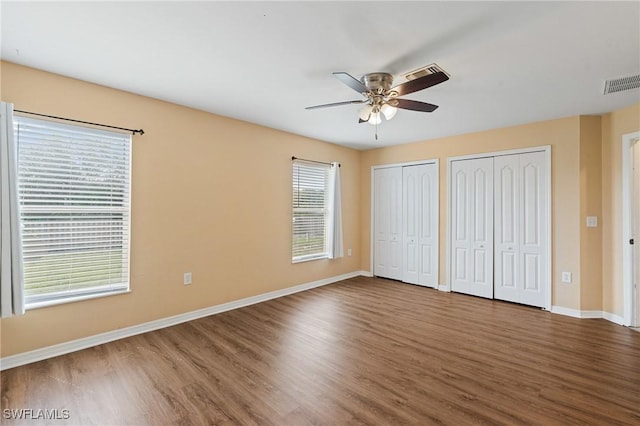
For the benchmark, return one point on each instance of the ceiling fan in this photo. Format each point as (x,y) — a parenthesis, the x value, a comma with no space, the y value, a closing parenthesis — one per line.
(381,98)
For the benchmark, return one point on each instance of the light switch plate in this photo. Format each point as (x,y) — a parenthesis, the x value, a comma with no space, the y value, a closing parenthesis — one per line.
(592,221)
(566,277)
(187,278)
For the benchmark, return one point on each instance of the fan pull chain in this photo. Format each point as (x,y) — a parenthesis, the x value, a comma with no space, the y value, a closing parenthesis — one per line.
(376,132)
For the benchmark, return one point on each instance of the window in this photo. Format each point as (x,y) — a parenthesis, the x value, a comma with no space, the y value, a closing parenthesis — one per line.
(310,211)
(74,191)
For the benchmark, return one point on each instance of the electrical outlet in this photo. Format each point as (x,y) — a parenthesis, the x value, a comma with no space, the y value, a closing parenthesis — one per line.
(187,278)
(592,221)
(349,252)
(566,277)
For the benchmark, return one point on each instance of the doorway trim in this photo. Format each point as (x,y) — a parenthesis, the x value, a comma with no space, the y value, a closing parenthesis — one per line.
(543,148)
(629,296)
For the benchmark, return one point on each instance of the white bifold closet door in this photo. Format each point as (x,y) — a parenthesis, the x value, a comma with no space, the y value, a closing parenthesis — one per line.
(520,225)
(387,195)
(499,227)
(472,227)
(405,223)
(420,224)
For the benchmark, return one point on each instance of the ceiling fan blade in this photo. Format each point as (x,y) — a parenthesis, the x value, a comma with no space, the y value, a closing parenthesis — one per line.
(337,104)
(351,81)
(414,105)
(420,83)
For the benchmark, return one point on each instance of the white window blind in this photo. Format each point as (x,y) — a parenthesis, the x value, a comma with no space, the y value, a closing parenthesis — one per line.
(74,190)
(310,210)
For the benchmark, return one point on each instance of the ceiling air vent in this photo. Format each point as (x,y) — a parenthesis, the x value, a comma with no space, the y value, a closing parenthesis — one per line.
(622,84)
(421,72)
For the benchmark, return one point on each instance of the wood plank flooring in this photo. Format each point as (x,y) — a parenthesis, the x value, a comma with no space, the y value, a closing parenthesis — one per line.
(362,351)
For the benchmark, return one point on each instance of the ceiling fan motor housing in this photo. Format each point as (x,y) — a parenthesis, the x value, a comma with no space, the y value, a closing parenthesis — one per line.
(377,80)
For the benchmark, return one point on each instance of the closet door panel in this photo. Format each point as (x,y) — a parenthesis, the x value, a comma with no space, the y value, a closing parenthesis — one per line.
(520,226)
(534,226)
(380,219)
(420,237)
(428,233)
(507,227)
(411,211)
(482,217)
(388,223)
(460,240)
(472,221)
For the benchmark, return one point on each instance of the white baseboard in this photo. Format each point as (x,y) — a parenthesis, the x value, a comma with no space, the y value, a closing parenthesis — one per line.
(590,314)
(444,287)
(613,318)
(99,339)
(576,313)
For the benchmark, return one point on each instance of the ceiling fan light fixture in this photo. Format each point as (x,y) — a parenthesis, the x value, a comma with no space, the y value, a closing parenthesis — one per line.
(388,111)
(375,118)
(365,112)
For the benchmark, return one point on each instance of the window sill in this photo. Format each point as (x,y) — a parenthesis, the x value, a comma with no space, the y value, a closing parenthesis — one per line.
(309,258)
(72,299)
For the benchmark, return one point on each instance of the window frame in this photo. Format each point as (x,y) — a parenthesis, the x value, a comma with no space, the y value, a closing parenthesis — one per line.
(324,210)
(35,301)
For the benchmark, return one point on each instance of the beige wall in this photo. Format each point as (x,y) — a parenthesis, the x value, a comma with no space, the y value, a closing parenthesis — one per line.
(590,205)
(614,126)
(210,195)
(564,137)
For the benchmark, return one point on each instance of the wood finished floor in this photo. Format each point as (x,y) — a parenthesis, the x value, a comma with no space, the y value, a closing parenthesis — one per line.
(362,351)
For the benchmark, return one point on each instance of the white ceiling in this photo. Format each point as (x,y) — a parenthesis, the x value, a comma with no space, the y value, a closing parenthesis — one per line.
(510,62)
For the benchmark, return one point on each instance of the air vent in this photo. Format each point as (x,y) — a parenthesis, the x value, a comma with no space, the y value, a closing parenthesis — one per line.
(622,84)
(421,72)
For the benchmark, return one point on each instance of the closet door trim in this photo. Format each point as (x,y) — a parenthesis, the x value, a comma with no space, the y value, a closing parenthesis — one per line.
(547,151)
